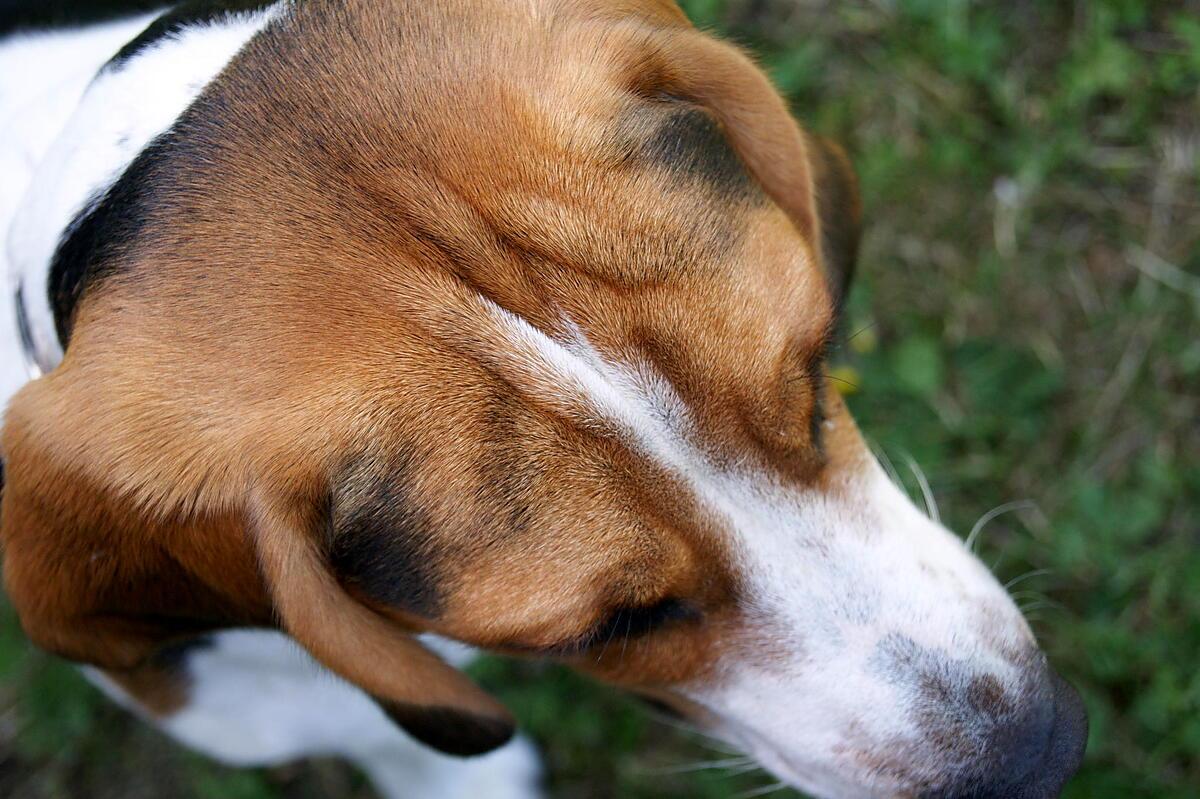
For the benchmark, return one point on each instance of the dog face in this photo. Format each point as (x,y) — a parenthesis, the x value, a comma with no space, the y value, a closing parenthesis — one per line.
(509,323)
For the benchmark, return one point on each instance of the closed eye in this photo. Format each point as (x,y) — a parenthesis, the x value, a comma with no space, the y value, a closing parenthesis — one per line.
(624,624)
(817,417)
(818,381)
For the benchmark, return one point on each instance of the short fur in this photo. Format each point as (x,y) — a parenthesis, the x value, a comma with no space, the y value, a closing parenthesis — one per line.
(504,322)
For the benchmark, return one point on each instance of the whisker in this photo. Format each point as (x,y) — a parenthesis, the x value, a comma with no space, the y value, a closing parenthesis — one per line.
(931,508)
(607,641)
(745,769)
(763,791)
(701,737)
(973,536)
(842,380)
(1042,604)
(625,639)
(1027,575)
(886,463)
(860,331)
(687,768)
(805,379)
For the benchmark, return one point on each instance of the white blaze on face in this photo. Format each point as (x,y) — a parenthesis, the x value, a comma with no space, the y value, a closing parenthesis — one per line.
(852,596)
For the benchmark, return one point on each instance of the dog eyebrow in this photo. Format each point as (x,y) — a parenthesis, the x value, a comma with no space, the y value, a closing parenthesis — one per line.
(691,144)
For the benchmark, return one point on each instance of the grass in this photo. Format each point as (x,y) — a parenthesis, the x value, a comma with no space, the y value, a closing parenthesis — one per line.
(1028,309)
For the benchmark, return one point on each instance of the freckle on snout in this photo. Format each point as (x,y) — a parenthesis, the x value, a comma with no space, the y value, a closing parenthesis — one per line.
(986,695)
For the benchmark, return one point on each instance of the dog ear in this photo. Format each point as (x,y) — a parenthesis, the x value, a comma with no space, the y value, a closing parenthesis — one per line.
(100,576)
(431,700)
(808,177)
(90,573)
(839,212)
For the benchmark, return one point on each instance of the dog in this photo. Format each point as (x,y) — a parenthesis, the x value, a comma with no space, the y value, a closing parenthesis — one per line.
(341,334)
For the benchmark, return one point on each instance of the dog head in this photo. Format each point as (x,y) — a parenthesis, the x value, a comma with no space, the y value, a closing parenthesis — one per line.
(508,322)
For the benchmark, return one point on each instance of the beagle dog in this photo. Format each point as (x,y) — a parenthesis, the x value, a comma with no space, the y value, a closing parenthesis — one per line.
(338,331)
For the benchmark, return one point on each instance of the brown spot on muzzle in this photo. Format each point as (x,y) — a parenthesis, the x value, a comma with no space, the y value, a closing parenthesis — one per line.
(986,695)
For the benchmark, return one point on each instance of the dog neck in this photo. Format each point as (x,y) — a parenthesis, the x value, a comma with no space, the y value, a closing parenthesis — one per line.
(44,77)
(81,106)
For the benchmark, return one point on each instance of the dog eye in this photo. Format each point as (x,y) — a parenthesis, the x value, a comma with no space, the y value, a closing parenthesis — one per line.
(633,622)
(816,419)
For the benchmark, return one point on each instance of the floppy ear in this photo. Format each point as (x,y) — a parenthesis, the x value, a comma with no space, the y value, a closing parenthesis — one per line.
(839,212)
(92,576)
(808,177)
(434,702)
(98,577)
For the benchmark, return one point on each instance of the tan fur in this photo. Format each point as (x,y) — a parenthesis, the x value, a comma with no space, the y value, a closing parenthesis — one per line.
(314,299)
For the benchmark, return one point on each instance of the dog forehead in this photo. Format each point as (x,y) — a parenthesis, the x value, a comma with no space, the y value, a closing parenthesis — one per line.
(532,187)
(529,134)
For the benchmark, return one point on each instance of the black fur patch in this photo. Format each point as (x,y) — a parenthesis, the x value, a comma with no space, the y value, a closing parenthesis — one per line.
(26,15)
(92,244)
(183,16)
(380,539)
(691,145)
(454,732)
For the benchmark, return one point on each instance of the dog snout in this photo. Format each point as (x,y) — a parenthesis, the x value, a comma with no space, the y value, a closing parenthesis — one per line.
(1037,753)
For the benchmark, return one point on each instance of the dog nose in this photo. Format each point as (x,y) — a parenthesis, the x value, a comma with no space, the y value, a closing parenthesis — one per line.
(1046,774)
(1044,750)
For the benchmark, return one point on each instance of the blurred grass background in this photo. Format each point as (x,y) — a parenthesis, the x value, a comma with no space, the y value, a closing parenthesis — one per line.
(1027,320)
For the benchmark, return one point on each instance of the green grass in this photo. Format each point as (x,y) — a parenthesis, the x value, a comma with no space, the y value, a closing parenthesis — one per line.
(1029,308)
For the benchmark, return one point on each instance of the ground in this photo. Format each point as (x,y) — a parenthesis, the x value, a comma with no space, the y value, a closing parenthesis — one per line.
(1025,326)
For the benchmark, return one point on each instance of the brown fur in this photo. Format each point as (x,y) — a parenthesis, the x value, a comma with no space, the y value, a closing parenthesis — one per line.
(307,297)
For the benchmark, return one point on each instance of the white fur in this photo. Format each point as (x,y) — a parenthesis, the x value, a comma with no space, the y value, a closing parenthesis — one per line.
(258,699)
(835,576)
(73,130)
(42,78)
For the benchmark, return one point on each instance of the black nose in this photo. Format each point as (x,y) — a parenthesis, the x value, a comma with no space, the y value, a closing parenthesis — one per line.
(1047,774)
(1043,750)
